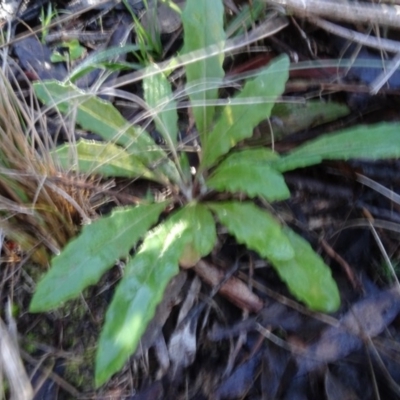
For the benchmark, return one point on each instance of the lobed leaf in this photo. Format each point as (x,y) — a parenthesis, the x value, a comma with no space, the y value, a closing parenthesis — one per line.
(255,228)
(85,258)
(370,142)
(142,287)
(158,95)
(101,117)
(106,159)
(249,172)
(307,276)
(238,120)
(305,273)
(199,33)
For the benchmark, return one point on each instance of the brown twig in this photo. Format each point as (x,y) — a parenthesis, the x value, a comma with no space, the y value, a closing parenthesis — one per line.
(234,289)
(343,263)
(357,12)
(366,40)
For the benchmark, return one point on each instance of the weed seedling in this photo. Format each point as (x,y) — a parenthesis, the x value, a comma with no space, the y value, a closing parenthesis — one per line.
(181,229)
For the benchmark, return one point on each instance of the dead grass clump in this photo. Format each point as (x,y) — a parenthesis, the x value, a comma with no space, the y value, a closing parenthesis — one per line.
(40,208)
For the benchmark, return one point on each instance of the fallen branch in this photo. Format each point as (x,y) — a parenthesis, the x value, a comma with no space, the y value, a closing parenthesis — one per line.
(357,12)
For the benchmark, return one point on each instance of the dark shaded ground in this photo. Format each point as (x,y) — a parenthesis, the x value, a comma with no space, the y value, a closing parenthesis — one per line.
(200,346)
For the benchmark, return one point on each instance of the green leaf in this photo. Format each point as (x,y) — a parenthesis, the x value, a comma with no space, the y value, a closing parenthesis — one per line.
(96,249)
(106,159)
(288,118)
(202,231)
(255,228)
(307,276)
(75,49)
(199,33)
(57,57)
(305,273)
(247,17)
(295,117)
(158,95)
(139,292)
(101,117)
(238,121)
(185,168)
(248,171)
(96,59)
(371,142)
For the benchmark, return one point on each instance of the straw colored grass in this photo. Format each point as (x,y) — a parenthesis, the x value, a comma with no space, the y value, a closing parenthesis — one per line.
(40,207)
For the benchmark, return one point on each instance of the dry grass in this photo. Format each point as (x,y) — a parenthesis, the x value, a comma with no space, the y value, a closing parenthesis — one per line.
(40,206)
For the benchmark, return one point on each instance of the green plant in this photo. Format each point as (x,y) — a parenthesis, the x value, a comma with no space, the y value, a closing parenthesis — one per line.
(74,52)
(181,229)
(148,42)
(45,19)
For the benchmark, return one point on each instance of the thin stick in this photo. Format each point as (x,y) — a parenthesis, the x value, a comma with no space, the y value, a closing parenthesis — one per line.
(20,386)
(384,191)
(377,84)
(369,41)
(343,263)
(384,253)
(357,12)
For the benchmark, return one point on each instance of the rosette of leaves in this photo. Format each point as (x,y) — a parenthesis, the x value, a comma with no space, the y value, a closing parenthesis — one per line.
(182,229)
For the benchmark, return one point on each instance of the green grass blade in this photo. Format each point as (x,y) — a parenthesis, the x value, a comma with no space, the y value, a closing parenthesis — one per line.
(248,15)
(158,95)
(148,36)
(106,159)
(203,26)
(96,60)
(370,142)
(238,121)
(307,276)
(94,251)
(101,117)
(249,172)
(139,292)
(255,228)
